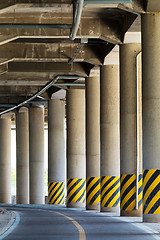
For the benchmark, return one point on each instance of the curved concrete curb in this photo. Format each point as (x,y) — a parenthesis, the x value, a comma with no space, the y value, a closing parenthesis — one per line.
(12,220)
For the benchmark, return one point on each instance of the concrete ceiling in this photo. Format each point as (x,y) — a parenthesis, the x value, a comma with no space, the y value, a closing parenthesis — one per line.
(35,44)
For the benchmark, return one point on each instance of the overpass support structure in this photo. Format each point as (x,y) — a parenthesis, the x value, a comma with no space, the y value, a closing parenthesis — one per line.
(93,143)
(76,160)
(5,160)
(151,115)
(22,153)
(110,136)
(56,151)
(36,154)
(128,128)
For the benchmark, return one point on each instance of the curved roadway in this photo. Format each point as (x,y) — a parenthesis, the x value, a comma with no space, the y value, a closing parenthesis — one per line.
(62,223)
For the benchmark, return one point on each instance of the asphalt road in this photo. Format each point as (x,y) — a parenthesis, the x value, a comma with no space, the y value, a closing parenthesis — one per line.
(59,223)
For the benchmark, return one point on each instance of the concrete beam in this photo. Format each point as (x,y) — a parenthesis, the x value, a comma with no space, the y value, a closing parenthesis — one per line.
(8,38)
(56,67)
(26,91)
(54,51)
(109,30)
(136,7)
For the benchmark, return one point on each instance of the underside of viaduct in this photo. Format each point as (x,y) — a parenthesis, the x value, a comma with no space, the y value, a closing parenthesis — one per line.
(94,66)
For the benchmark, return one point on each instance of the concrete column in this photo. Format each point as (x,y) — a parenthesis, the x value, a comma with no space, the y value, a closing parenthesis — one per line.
(139,189)
(110,136)
(93,142)
(56,151)
(36,154)
(5,160)
(76,162)
(151,116)
(128,129)
(22,151)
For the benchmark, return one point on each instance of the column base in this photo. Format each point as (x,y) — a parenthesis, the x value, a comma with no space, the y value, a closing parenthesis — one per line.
(76,205)
(93,207)
(5,198)
(37,201)
(152,218)
(115,210)
(133,213)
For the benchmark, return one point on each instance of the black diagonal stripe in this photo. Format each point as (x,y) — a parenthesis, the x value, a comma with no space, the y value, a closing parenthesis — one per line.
(139,177)
(140,202)
(69,181)
(59,196)
(151,196)
(125,179)
(150,181)
(140,189)
(111,197)
(109,189)
(155,206)
(93,187)
(106,183)
(52,188)
(96,195)
(117,202)
(132,185)
(89,180)
(82,195)
(145,173)
(75,193)
(49,185)
(73,186)
(130,200)
(56,192)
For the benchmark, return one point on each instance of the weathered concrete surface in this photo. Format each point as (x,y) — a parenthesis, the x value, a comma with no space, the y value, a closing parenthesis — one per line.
(22,151)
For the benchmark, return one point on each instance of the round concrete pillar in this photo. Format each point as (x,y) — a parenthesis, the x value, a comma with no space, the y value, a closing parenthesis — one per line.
(128,131)
(93,143)
(22,151)
(5,160)
(151,116)
(109,135)
(56,151)
(76,162)
(36,154)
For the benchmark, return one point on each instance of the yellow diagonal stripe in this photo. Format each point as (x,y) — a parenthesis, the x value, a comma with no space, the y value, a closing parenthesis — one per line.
(104,180)
(51,194)
(151,188)
(58,194)
(131,206)
(128,196)
(123,177)
(148,176)
(114,200)
(109,194)
(109,185)
(152,202)
(96,189)
(96,179)
(71,183)
(77,196)
(52,185)
(128,183)
(75,188)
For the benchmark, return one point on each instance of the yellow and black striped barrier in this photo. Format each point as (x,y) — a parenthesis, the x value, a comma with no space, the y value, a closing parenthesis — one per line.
(76,190)
(93,190)
(151,191)
(140,191)
(110,191)
(56,192)
(128,192)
